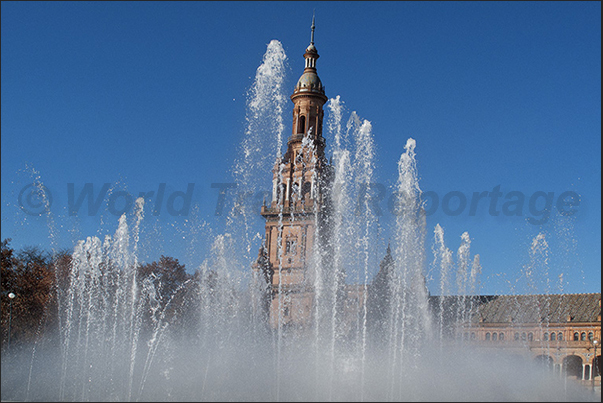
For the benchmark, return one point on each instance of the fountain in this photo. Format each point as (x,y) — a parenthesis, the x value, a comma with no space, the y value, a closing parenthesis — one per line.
(124,337)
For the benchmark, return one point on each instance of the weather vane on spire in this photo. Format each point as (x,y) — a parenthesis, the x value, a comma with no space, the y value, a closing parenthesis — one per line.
(312,36)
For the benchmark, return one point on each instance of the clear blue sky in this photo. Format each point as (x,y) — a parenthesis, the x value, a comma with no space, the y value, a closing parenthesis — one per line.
(141,93)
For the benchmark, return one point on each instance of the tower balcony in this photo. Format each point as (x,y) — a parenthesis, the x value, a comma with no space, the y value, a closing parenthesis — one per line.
(302,208)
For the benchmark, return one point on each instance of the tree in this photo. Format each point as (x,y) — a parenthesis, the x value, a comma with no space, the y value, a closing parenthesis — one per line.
(169,274)
(27,274)
(164,283)
(9,281)
(379,298)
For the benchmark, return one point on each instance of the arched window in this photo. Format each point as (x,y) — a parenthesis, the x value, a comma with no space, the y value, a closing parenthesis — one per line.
(553,336)
(306,189)
(516,336)
(591,336)
(523,336)
(530,336)
(301,124)
(583,336)
(501,336)
(560,336)
(291,246)
(488,336)
(494,336)
(295,191)
(576,336)
(545,337)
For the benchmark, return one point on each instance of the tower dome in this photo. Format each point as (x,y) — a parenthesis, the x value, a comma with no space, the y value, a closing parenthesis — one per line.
(309,82)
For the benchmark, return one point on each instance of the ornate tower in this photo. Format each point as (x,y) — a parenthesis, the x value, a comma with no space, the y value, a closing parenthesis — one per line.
(297,207)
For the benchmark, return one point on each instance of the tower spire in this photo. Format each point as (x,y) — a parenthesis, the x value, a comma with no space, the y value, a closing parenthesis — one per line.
(312,35)
(309,81)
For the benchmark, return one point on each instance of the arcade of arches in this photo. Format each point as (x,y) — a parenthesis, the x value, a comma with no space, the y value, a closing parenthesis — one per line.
(562,332)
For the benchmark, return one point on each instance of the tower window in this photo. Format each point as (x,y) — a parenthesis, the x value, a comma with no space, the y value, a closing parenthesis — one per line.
(306,189)
(301,124)
(295,191)
(290,247)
